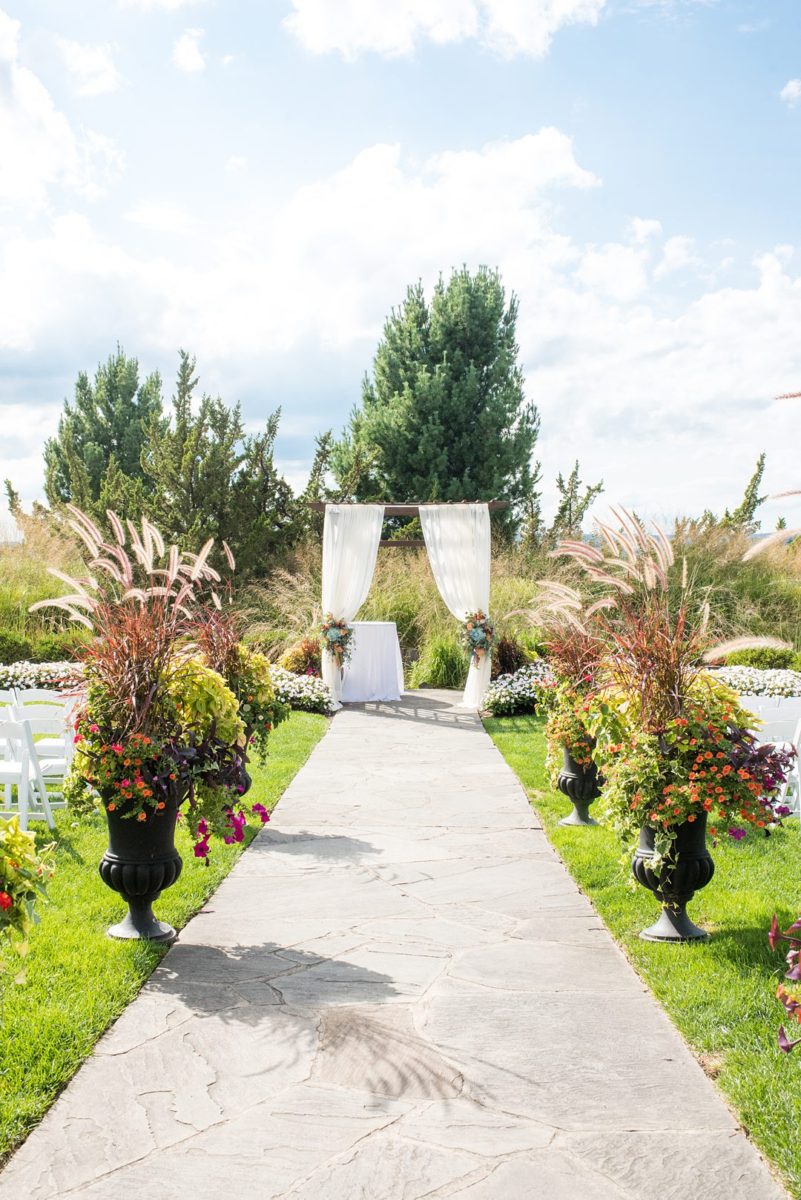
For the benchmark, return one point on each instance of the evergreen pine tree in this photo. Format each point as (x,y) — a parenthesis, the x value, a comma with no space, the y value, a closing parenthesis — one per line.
(97,450)
(443,416)
(744,514)
(207,478)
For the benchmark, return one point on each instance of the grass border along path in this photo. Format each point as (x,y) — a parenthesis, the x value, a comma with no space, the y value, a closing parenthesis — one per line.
(719,993)
(78,979)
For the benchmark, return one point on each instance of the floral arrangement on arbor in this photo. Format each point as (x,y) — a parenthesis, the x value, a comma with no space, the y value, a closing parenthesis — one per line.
(336,636)
(24,873)
(156,727)
(478,636)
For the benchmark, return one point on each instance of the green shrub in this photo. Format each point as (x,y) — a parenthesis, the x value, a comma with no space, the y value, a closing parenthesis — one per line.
(57,647)
(795,665)
(303,658)
(764,658)
(442,664)
(14,647)
(508,656)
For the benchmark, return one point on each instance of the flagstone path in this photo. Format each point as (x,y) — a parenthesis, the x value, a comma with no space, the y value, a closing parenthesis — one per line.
(398,993)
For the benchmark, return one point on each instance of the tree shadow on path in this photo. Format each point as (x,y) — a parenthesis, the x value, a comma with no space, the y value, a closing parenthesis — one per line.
(331,846)
(238,984)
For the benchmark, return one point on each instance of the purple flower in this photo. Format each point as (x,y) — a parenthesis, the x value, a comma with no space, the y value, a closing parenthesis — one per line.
(236,823)
(737,834)
(784,1042)
(794,965)
(261,811)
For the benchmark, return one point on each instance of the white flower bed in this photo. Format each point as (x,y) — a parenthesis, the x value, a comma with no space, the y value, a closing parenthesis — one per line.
(58,676)
(518,693)
(305,692)
(753,681)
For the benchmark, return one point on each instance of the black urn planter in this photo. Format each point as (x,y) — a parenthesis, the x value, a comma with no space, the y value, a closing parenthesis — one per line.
(686,869)
(581,785)
(140,862)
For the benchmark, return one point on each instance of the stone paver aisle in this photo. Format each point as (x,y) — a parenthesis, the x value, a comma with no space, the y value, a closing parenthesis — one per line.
(398,993)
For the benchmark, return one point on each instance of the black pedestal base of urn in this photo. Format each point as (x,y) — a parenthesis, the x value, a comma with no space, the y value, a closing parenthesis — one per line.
(579,784)
(687,868)
(141,861)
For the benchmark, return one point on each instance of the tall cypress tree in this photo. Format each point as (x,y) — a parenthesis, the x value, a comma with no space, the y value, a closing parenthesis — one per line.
(444,417)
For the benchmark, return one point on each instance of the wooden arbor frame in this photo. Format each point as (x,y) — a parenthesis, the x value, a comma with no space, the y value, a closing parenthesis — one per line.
(413,510)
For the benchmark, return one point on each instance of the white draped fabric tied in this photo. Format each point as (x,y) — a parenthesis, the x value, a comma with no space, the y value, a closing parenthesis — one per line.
(457,538)
(351,534)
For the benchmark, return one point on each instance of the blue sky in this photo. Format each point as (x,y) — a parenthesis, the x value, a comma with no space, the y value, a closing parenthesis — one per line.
(258,182)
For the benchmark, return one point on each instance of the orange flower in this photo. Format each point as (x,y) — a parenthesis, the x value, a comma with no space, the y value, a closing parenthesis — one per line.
(142,816)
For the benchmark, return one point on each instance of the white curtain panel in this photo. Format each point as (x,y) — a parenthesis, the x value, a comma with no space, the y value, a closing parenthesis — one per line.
(457,539)
(351,534)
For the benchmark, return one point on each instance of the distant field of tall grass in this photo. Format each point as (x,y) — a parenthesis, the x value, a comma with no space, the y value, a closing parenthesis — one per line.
(762,596)
(24,577)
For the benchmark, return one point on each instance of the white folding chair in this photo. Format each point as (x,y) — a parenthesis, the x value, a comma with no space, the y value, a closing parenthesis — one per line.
(57,743)
(40,696)
(790,793)
(8,700)
(20,768)
(51,752)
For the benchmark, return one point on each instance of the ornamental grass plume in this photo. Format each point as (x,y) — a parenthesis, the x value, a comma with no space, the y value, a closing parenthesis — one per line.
(672,743)
(654,628)
(217,629)
(141,602)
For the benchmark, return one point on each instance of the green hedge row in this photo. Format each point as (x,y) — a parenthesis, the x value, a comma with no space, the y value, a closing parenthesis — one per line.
(42,647)
(766,658)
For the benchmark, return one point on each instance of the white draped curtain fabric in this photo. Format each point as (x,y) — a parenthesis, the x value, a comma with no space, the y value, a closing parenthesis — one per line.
(351,534)
(457,539)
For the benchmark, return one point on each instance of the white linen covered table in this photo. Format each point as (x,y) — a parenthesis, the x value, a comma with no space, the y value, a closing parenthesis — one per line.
(375,669)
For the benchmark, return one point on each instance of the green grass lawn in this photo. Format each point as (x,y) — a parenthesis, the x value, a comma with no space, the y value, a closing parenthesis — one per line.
(78,979)
(719,993)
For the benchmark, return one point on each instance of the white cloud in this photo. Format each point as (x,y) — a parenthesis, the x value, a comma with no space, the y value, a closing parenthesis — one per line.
(615,271)
(9,38)
(236,162)
(163,217)
(169,5)
(510,27)
(791,92)
(678,254)
(642,230)
(92,67)
(187,54)
(39,146)
(665,395)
